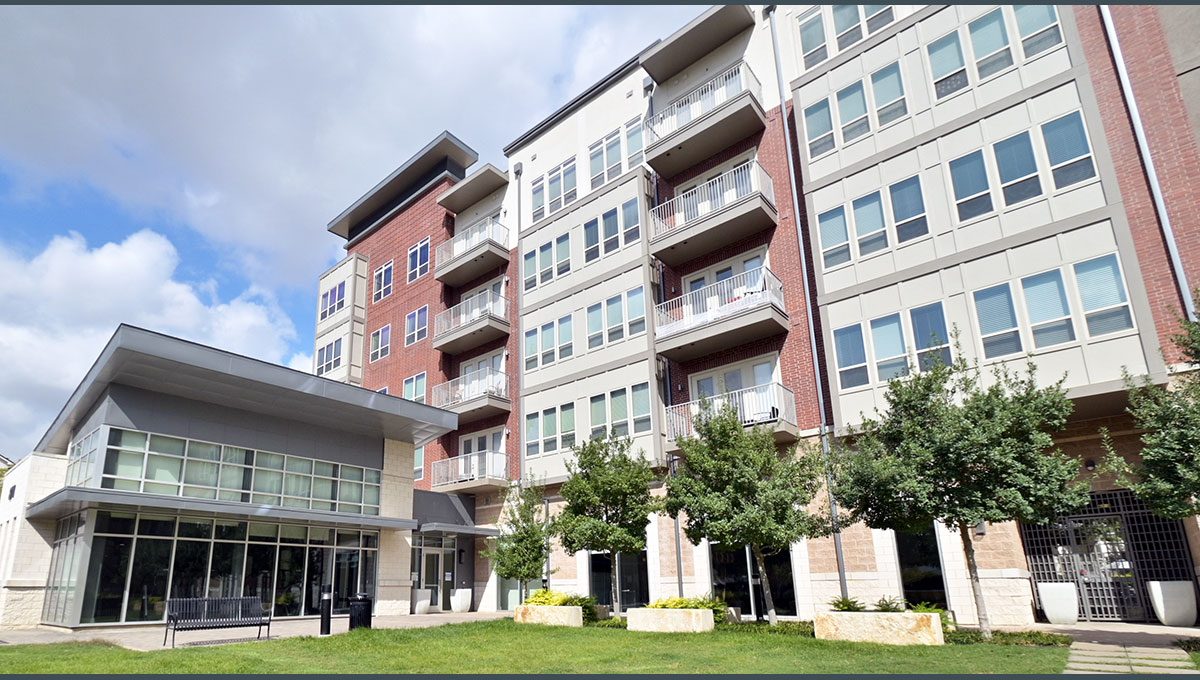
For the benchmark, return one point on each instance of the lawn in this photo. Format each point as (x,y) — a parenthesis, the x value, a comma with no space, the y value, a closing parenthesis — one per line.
(506,647)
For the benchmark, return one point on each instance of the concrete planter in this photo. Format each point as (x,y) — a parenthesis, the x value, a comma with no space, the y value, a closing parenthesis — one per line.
(670,620)
(571,617)
(889,628)
(460,600)
(1174,602)
(1060,602)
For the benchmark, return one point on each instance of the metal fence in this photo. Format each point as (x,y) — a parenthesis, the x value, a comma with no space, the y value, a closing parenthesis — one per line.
(488,229)
(469,467)
(701,100)
(751,288)
(482,383)
(474,307)
(761,404)
(708,198)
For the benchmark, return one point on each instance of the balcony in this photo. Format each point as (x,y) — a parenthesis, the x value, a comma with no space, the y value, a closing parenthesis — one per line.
(706,120)
(474,396)
(724,315)
(473,252)
(471,323)
(481,471)
(771,405)
(723,210)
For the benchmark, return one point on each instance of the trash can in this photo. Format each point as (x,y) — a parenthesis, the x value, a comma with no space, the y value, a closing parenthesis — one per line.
(360,611)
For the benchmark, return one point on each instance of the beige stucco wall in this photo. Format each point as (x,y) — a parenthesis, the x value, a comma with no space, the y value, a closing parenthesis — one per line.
(394,591)
(25,546)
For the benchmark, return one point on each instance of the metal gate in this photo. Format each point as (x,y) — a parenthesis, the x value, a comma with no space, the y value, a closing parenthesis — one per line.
(1110,549)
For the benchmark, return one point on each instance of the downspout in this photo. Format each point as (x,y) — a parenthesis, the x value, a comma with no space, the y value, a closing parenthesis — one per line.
(1160,205)
(769,11)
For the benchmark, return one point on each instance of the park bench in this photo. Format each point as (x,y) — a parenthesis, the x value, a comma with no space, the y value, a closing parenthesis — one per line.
(209,613)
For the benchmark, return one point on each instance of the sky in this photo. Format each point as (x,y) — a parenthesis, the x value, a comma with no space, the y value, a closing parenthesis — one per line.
(175,167)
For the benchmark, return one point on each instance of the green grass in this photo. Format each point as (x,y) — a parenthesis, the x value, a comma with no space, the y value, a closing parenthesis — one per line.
(505,647)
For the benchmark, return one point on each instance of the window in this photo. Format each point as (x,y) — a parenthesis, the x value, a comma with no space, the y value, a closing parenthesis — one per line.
(878,16)
(561,184)
(382,390)
(852,109)
(529,269)
(908,209)
(1018,169)
(812,40)
(414,388)
(591,240)
(605,159)
(566,426)
(531,349)
(551,430)
(416,326)
(887,337)
(1068,150)
(548,346)
(868,224)
(635,308)
(633,142)
(971,193)
(616,321)
(599,416)
(847,25)
(606,234)
(381,343)
(329,357)
(989,42)
(947,65)
(419,462)
(610,231)
(549,260)
(835,245)
(929,335)
(545,263)
(418,260)
(997,321)
(383,282)
(333,300)
(565,347)
(1038,26)
(887,88)
(1047,308)
(549,343)
(1102,292)
(618,411)
(630,221)
(539,199)
(614,411)
(562,255)
(641,407)
(818,126)
(851,357)
(595,325)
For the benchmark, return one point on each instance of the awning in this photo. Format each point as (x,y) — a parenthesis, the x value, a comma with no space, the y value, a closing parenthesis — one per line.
(75,498)
(460,529)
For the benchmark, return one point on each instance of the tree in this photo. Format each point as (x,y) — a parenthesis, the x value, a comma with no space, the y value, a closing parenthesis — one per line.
(1167,478)
(523,547)
(735,487)
(952,449)
(608,502)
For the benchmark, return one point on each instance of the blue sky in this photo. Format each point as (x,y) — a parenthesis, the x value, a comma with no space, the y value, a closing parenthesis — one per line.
(175,167)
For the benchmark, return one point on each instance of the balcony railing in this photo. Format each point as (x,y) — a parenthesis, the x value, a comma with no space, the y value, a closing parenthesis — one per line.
(702,201)
(469,467)
(488,229)
(757,405)
(474,307)
(712,303)
(701,100)
(486,382)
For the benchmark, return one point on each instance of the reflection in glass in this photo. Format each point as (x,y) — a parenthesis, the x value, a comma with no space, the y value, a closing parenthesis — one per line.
(289,581)
(105,586)
(318,575)
(148,580)
(190,570)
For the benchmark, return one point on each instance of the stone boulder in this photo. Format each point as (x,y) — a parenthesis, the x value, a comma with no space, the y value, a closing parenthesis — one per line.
(572,617)
(888,628)
(670,620)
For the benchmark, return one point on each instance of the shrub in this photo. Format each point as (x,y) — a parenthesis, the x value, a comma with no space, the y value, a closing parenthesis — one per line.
(890,604)
(1022,638)
(1189,645)
(614,622)
(793,628)
(716,604)
(552,598)
(927,608)
(847,604)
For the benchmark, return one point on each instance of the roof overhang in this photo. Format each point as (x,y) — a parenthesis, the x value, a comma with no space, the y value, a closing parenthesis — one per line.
(168,365)
(700,36)
(459,529)
(75,498)
(404,179)
(473,188)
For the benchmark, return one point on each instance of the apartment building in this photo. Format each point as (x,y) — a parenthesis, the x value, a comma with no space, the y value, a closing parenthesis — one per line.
(972,170)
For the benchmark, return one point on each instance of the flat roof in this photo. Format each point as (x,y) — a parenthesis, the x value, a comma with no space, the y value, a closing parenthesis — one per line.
(444,146)
(473,188)
(165,364)
(700,36)
(75,498)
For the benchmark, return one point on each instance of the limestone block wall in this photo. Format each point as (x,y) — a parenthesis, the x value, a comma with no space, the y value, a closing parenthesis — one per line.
(25,545)
(394,590)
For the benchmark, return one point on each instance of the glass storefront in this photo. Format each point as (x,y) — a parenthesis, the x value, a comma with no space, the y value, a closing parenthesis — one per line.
(736,580)
(138,559)
(635,583)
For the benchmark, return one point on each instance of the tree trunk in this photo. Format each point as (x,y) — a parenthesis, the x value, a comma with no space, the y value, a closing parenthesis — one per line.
(985,624)
(768,600)
(616,583)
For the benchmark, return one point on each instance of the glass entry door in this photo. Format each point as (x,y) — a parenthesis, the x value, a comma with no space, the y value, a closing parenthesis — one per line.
(431,573)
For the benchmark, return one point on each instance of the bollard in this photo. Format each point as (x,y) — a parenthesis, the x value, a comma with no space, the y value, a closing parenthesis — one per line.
(326,610)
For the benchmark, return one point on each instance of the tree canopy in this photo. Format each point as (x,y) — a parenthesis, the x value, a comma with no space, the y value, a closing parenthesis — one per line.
(523,547)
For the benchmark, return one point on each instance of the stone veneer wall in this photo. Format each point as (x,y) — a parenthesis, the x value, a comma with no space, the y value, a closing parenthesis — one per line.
(394,589)
(25,552)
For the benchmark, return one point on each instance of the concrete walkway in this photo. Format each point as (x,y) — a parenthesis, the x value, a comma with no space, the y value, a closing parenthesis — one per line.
(1092,657)
(150,638)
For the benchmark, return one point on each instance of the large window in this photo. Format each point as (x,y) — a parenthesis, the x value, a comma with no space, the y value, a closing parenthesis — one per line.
(990,45)
(552,341)
(881,96)
(609,232)
(972,194)
(381,343)
(621,412)
(416,326)
(617,318)
(414,388)
(332,301)
(930,336)
(1102,291)
(851,356)
(329,357)
(604,159)
(1048,309)
(548,261)
(1018,169)
(418,260)
(152,463)
(1068,150)
(549,431)
(997,317)
(560,187)
(887,339)
(874,220)
(383,282)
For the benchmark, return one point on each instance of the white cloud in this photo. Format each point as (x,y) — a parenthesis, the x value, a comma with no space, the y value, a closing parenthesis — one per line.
(64,303)
(256,125)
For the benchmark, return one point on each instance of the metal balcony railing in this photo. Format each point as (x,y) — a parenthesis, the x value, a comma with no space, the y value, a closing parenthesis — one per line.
(697,103)
(757,405)
(481,383)
(706,199)
(474,307)
(488,229)
(469,467)
(752,288)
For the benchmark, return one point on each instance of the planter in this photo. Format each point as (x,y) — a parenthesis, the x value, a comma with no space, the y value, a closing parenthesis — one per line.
(1174,602)
(670,620)
(424,600)
(460,600)
(888,628)
(1060,602)
(571,617)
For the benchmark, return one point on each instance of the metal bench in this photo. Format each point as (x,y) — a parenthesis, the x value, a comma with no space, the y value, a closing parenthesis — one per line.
(209,613)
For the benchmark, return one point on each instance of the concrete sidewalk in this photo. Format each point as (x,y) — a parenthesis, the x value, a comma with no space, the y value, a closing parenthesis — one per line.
(150,638)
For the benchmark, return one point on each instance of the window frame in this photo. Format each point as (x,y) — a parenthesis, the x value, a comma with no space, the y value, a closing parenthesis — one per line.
(1066,298)
(999,334)
(1090,156)
(333,301)
(422,268)
(410,387)
(329,357)
(420,330)
(843,370)
(383,280)
(987,191)
(634,156)
(1085,312)
(944,347)
(380,347)
(1056,25)
(878,107)
(977,59)
(961,69)
(804,21)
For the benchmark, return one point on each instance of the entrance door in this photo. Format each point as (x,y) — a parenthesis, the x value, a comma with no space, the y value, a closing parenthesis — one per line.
(737,581)
(921,567)
(431,576)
